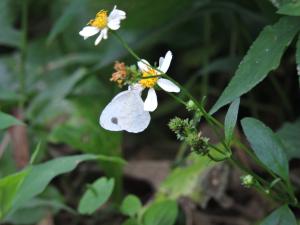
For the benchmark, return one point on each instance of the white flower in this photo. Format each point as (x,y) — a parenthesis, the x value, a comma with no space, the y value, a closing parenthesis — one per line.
(150,103)
(102,23)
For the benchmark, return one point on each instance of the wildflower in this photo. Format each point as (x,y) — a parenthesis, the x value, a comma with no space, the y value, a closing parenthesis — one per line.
(102,23)
(150,77)
(120,74)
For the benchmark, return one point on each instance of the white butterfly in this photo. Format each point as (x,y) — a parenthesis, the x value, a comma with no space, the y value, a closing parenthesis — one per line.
(125,112)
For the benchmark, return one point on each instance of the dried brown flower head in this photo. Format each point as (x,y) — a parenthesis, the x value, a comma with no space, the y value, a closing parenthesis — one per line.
(120,74)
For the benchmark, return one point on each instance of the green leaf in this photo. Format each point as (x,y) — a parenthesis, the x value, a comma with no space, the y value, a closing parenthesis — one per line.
(263,56)
(48,98)
(7,121)
(289,135)
(161,213)
(290,9)
(131,205)
(230,120)
(66,18)
(184,181)
(45,172)
(281,216)
(267,146)
(298,58)
(96,195)
(9,186)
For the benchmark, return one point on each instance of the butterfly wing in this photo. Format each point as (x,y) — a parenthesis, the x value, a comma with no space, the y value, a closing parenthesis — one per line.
(111,111)
(134,118)
(125,112)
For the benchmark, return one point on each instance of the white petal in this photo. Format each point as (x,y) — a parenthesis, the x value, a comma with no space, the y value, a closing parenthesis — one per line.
(164,63)
(168,85)
(150,103)
(88,31)
(99,38)
(116,14)
(114,24)
(105,31)
(143,65)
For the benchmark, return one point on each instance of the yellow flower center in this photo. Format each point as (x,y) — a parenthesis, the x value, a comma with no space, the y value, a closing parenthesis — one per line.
(149,82)
(100,20)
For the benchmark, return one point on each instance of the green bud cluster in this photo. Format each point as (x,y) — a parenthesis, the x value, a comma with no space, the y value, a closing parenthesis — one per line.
(185,130)
(248,181)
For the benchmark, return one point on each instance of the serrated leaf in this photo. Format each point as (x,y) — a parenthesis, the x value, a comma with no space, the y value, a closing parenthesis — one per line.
(131,205)
(281,216)
(290,9)
(230,120)
(267,146)
(263,56)
(161,213)
(7,121)
(289,134)
(96,195)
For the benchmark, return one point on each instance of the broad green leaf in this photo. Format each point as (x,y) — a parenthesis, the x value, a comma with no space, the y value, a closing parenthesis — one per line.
(263,56)
(289,134)
(290,9)
(9,186)
(45,172)
(230,120)
(131,205)
(66,18)
(96,195)
(281,216)
(161,213)
(7,121)
(267,146)
(298,58)
(183,181)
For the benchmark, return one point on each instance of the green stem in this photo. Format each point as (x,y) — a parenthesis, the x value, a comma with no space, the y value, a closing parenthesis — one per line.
(211,120)
(22,73)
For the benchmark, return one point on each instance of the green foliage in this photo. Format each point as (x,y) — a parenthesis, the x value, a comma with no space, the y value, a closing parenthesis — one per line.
(45,105)
(289,135)
(263,56)
(281,216)
(29,186)
(65,19)
(161,213)
(290,9)
(9,187)
(130,205)
(267,146)
(184,181)
(9,36)
(230,120)
(7,121)
(96,195)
